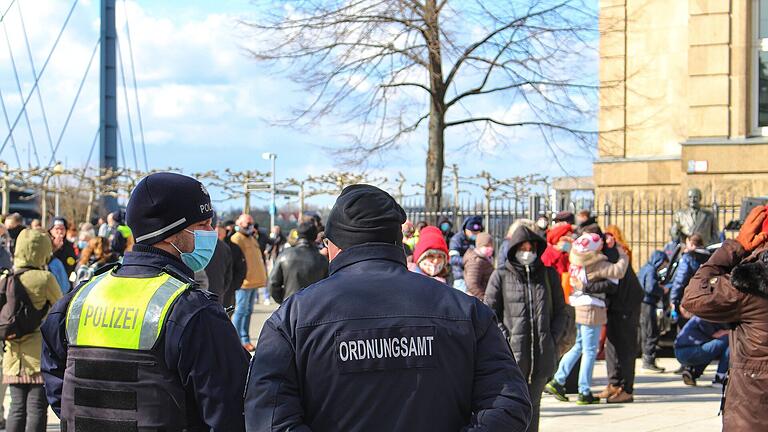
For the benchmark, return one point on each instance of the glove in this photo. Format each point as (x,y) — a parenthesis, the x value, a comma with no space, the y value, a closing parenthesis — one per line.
(750,235)
(673,315)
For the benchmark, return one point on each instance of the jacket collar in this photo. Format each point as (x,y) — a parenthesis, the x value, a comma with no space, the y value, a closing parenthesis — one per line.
(143,256)
(368,252)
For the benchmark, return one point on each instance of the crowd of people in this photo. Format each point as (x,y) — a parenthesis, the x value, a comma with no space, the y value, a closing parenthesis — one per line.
(559,292)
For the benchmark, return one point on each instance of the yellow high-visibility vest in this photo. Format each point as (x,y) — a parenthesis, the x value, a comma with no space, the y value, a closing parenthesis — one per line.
(121,312)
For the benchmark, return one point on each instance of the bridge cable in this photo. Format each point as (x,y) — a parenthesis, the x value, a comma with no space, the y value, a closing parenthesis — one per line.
(127,104)
(34,73)
(37,79)
(135,87)
(21,91)
(8,123)
(74,103)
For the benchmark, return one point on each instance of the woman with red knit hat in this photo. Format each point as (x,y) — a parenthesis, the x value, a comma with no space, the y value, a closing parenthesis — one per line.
(430,257)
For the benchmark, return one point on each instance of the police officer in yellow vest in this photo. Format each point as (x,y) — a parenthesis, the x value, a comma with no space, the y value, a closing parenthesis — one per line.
(139,347)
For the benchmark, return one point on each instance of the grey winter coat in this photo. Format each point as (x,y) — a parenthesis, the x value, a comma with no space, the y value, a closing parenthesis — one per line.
(533,312)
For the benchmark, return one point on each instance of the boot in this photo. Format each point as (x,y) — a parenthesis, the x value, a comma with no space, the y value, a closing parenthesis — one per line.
(649,363)
(610,391)
(621,397)
(688,378)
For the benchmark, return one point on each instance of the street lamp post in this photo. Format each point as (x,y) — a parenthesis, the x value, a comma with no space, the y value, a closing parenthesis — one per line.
(273,206)
(58,169)
(6,192)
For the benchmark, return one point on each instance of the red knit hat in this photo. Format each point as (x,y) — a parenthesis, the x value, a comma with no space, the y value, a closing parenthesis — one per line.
(557,232)
(431,238)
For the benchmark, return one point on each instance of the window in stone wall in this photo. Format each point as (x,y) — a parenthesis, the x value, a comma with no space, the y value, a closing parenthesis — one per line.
(760,71)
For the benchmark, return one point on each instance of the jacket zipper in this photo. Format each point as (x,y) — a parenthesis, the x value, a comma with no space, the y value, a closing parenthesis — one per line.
(531,321)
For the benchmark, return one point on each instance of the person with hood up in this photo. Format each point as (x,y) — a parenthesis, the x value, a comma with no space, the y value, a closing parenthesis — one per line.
(587,265)
(446,227)
(431,256)
(501,257)
(478,265)
(528,302)
(460,244)
(654,293)
(21,361)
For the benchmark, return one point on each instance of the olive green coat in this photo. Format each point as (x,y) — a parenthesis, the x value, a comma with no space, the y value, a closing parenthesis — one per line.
(21,361)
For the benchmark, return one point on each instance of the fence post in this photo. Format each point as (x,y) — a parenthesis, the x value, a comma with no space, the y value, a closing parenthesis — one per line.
(607,210)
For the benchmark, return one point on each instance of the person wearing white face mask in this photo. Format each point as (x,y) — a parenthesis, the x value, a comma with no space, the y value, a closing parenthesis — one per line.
(528,301)
(431,256)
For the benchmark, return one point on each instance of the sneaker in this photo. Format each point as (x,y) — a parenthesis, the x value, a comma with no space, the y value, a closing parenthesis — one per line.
(688,378)
(249,347)
(557,390)
(621,397)
(587,399)
(610,391)
(653,367)
(267,302)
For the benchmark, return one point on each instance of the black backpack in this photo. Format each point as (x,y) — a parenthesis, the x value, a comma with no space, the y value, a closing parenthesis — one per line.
(18,316)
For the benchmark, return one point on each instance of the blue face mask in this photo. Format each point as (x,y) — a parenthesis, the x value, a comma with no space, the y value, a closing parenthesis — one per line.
(444,227)
(205,245)
(82,244)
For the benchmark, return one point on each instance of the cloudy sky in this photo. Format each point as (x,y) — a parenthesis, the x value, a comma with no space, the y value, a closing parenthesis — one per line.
(205,104)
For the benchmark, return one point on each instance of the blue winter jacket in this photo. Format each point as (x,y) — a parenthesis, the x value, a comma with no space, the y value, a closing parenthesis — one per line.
(649,278)
(375,347)
(460,244)
(200,342)
(688,266)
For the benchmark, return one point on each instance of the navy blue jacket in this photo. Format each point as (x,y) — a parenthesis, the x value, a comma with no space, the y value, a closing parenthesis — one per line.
(199,340)
(697,332)
(689,264)
(649,278)
(375,347)
(460,244)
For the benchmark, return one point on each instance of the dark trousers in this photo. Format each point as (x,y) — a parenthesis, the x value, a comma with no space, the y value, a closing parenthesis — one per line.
(535,389)
(621,348)
(29,409)
(649,331)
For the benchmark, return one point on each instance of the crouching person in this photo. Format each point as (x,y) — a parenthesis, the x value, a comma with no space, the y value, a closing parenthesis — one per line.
(698,344)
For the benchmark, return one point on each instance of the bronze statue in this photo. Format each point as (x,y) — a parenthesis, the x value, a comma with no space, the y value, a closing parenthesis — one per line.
(694,219)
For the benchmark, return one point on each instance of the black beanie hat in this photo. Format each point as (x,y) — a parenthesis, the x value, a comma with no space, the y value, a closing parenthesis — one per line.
(307,230)
(163,204)
(364,214)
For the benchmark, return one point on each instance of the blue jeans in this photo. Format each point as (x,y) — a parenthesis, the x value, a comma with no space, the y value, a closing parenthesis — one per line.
(698,357)
(587,339)
(243,309)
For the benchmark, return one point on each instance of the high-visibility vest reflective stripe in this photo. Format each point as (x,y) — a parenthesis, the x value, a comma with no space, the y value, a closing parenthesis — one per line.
(124,230)
(121,312)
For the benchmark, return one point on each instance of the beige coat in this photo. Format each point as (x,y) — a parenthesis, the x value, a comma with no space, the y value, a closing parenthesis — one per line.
(597,267)
(256,273)
(21,361)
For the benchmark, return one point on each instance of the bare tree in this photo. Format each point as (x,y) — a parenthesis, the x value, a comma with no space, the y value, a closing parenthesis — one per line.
(389,66)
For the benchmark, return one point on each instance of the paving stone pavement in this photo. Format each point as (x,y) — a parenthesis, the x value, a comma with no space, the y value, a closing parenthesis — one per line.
(662,401)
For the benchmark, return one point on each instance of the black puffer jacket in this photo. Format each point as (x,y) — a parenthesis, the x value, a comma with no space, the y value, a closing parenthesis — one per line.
(295,269)
(532,310)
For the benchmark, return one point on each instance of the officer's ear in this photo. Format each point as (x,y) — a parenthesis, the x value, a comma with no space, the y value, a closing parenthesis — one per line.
(333,250)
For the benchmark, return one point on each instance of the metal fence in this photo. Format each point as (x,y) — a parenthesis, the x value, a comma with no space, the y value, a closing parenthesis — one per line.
(645,224)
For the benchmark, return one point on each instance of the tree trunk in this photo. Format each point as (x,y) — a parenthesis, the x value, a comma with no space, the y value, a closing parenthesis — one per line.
(433,191)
